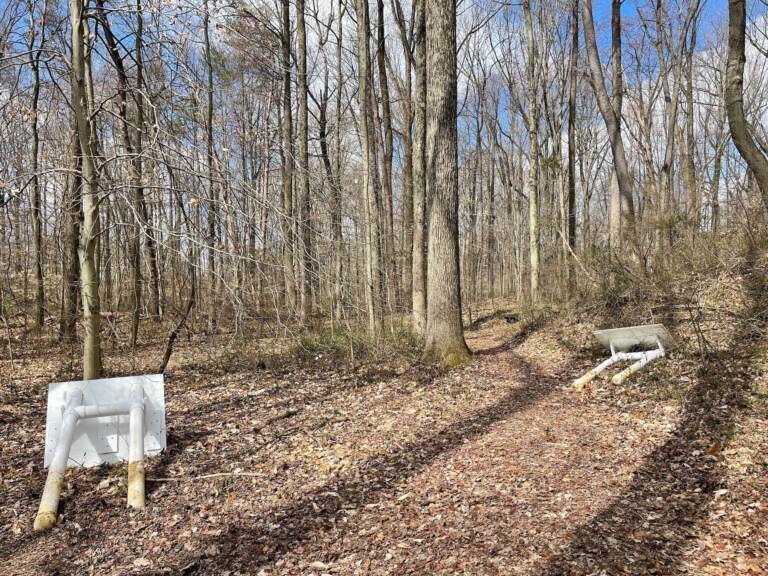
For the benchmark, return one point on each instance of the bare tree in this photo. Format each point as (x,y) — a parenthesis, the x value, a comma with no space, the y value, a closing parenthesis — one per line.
(419,262)
(82,88)
(373,258)
(533,155)
(734,98)
(445,338)
(286,220)
(610,109)
(35,51)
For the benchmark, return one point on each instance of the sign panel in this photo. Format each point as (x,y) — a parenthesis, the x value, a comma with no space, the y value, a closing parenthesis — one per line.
(104,440)
(625,339)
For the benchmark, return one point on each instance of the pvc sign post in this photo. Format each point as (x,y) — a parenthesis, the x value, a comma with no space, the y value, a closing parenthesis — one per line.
(104,421)
(621,342)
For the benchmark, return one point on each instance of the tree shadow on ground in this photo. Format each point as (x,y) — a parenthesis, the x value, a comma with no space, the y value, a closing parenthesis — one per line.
(648,528)
(279,403)
(320,509)
(517,339)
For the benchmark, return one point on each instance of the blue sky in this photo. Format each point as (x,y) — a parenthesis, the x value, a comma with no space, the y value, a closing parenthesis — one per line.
(712,12)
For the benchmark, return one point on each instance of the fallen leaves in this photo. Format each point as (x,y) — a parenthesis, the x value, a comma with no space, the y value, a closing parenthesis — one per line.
(324,472)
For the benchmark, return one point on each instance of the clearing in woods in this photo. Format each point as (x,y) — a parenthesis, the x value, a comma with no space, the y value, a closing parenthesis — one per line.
(499,467)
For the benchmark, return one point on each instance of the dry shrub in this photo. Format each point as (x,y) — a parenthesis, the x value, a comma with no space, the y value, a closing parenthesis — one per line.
(325,345)
(701,291)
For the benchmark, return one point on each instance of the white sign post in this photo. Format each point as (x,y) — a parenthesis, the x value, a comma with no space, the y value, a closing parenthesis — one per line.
(620,341)
(93,422)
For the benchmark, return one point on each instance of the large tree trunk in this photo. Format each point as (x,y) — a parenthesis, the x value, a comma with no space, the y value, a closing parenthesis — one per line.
(419,260)
(734,98)
(89,272)
(445,338)
(490,206)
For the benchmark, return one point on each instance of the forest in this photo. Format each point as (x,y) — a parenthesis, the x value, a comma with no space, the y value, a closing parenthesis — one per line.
(367,243)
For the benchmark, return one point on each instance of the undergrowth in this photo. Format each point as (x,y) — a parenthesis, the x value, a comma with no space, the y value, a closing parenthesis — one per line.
(337,347)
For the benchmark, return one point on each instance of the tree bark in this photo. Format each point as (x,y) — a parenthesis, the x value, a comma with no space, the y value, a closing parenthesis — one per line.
(211,192)
(303,165)
(338,257)
(37,219)
(611,113)
(386,160)
(406,98)
(689,166)
(419,261)
(734,98)
(286,221)
(444,338)
(372,260)
(89,272)
(155,306)
(572,85)
(534,242)
(71,262)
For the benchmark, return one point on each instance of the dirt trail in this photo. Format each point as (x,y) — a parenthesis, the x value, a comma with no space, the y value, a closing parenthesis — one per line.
(495,468)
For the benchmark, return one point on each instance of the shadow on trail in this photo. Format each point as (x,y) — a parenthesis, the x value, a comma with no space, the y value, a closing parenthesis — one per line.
(648,528)
(369,482)
(517,340)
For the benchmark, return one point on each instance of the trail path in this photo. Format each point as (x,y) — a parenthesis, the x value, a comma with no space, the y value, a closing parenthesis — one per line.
(496,468)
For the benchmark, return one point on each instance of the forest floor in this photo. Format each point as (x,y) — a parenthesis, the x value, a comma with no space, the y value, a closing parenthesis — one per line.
(498,467)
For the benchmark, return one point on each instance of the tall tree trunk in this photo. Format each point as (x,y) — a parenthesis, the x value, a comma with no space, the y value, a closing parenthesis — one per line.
(373,259)
(419,261)
(490,208)
(335,185)
(444,338)
(689,166)
(610,110)
(734,98)
(133,144)
(717,163)
(534,241)
(572,84)
(37,219)
(672,102)
(338,257)
(303,167)
(212,189)
(147,227)
(89,272)
(406,98)
(286,221)
(71,262)
(387,153)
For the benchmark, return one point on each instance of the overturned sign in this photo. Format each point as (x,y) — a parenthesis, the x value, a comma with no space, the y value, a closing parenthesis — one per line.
(623,344)
(105,421)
